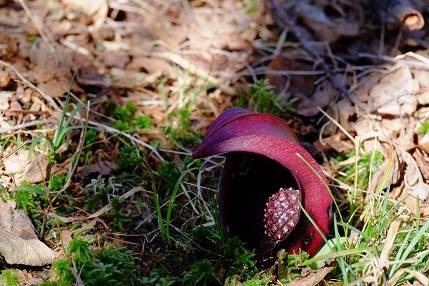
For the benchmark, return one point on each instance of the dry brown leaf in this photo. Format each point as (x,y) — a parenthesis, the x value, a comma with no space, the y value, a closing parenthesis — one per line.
(61,169)
(18,242)
(379,176)
(313,278)
(125,79)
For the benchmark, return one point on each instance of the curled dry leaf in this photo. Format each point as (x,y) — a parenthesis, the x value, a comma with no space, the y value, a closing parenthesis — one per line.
(18,242)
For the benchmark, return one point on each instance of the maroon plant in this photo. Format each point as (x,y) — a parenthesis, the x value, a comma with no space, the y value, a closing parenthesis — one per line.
(267,179)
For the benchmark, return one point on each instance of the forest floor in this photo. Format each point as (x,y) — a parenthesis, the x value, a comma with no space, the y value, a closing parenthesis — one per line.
(103,101)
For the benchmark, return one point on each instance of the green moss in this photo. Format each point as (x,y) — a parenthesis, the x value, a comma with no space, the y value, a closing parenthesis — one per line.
(9,277)
(111,266)
(128,121)
(91,136)
(263,99)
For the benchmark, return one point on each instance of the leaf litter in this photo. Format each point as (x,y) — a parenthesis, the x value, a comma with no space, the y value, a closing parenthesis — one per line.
(156,54)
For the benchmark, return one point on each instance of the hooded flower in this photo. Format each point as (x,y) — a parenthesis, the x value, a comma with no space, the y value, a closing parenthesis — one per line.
(273,194)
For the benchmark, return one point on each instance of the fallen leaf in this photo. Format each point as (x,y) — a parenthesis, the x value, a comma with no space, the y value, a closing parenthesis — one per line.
(18,242)
(313,278)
